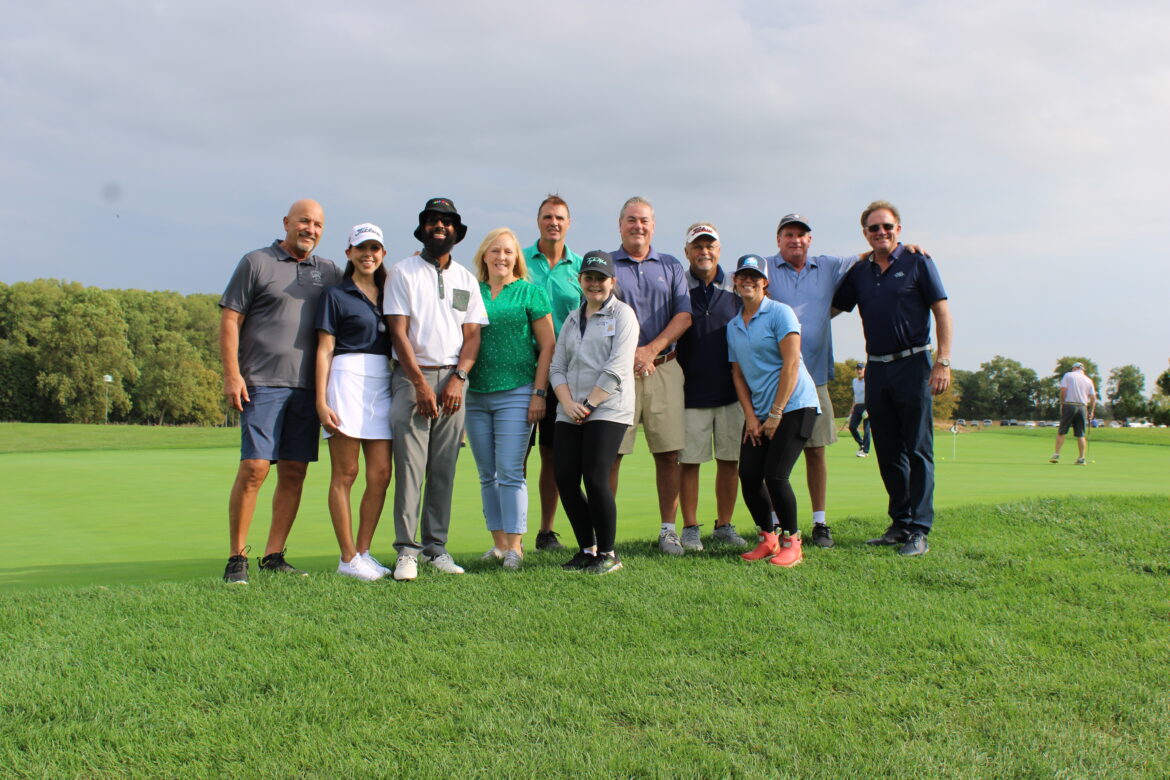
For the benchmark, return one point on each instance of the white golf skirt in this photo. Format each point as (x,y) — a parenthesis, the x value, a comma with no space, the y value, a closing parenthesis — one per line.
(359,392)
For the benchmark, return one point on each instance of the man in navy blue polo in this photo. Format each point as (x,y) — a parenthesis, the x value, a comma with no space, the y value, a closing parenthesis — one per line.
(897,291)
(714,418)
(654,286)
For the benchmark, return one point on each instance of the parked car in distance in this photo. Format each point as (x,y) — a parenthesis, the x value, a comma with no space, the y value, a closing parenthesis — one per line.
(988,423)
(1114,424)
(1097,423)
(960,421)
(1030,424)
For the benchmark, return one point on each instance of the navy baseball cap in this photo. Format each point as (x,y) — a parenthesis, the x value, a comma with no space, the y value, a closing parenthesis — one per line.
(598,262)
(752,264)
(793,219)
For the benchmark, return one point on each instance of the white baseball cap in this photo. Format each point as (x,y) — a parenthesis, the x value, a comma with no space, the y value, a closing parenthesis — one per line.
(699,230)
(365,232)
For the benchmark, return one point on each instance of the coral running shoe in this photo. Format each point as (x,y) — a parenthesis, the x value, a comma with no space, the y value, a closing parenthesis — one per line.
(769,545)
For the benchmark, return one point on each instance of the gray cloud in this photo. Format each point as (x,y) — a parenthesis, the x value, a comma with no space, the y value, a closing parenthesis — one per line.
(150,145)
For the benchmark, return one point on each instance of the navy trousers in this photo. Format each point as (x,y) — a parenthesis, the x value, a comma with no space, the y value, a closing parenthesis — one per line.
(901,419)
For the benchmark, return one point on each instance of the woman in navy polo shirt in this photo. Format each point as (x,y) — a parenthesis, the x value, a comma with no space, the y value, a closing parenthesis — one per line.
(353,396)
(763,345)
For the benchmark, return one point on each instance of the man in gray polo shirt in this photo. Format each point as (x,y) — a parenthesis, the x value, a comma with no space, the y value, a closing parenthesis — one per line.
(268,343)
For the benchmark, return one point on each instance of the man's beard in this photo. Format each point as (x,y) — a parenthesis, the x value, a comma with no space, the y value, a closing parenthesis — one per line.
(437,247)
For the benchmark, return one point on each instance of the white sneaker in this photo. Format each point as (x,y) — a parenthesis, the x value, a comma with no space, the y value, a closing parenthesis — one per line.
(492,554)
(375,563)
(406,568)
(358,569)
(445,563)
(512,560)
(862,454)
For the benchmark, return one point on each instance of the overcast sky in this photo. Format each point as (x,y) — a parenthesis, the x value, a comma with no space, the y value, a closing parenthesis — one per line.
(151,144)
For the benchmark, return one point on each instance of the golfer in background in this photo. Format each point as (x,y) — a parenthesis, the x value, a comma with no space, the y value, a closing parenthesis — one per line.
(1078,399)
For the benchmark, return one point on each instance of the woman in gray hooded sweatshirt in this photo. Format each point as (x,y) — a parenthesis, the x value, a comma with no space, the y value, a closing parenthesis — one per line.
(592,374)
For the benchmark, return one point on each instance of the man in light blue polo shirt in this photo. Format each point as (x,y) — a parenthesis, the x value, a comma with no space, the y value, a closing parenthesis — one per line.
(654,285)
(555,267)
(807,285)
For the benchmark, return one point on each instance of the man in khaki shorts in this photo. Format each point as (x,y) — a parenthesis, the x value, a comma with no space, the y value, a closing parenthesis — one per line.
(714,418)
(655,286)
(807,285)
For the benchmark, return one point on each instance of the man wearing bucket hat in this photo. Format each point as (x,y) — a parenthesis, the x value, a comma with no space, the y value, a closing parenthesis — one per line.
(434,312)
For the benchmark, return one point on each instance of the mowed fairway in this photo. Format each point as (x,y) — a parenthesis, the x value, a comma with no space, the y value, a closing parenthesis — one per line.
(1033,640)
(108,504)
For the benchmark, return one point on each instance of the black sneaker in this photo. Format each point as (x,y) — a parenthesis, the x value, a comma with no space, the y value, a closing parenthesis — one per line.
(547,540)
(276,562)
(895,534)
(822,536)
(915,545)
(579,562)
(604,564)
(236,572)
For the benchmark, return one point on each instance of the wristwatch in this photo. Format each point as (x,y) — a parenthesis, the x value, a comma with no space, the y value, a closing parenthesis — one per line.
(944,362)
(588,405)
(459,372)
(539,393)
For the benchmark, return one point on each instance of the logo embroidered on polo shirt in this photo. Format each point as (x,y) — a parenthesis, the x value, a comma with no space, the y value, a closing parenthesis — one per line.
(899,274)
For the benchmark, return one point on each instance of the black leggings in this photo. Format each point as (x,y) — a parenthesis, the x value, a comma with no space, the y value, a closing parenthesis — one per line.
(764,470)
(586,453)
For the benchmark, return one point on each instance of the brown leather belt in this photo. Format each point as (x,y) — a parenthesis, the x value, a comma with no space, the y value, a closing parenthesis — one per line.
(434,368)
(666,358)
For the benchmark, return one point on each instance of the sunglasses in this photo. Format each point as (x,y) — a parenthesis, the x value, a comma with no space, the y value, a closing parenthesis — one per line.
(440,219)
(880,226)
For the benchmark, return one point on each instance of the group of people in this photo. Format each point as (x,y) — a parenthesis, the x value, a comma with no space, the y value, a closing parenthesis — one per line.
(540,346)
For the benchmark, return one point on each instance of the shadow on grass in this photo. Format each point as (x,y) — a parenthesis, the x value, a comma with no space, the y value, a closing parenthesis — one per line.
(193,569)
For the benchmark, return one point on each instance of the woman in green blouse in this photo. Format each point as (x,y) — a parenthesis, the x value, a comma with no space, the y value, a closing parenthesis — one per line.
(503,401)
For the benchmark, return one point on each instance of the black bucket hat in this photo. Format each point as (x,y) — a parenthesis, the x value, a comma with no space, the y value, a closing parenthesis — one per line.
(440,206)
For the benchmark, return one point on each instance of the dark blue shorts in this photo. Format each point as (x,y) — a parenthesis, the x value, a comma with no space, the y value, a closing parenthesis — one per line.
(280,423)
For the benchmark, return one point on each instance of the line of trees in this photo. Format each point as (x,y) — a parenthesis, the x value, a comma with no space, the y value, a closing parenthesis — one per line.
(1005,388)
(59,341)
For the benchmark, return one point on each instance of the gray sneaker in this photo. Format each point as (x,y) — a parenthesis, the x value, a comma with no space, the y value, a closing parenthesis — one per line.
(690,538)
(512,560)
(727,535)
(669,543)
(444,563)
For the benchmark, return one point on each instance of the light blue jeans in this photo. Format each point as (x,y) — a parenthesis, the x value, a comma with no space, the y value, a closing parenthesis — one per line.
(498,430)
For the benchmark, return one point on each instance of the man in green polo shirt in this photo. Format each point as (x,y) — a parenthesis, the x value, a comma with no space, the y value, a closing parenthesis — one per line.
(553,267)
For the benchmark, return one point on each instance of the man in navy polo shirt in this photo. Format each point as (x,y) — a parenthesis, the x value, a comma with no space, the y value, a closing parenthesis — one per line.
(268,344)
(655,287)
(714,418)
(897,291)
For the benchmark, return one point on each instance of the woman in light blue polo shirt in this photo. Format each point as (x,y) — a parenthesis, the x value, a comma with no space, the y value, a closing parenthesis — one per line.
(780,406)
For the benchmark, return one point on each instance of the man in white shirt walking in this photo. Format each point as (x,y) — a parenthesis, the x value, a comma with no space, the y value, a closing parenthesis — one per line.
(1078,399)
